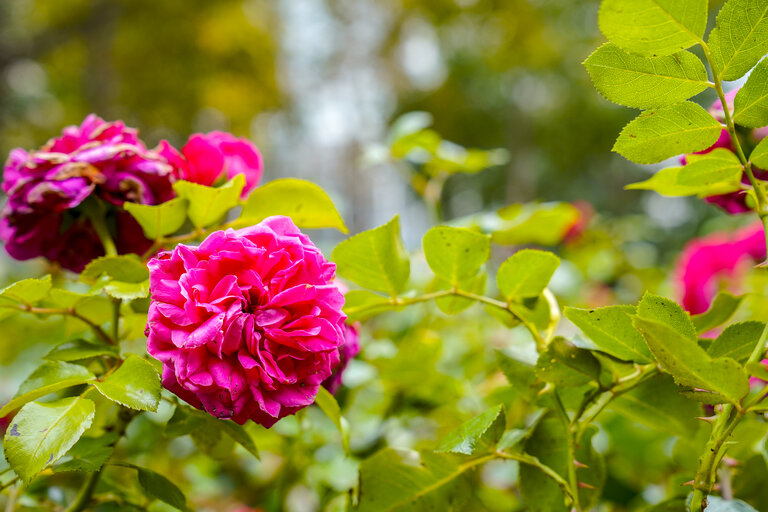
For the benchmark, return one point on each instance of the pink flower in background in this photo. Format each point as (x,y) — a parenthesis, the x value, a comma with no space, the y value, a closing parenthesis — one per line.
(206,157)
(733,202)
(247,325)
(347,351)
(46,188)
(717,261)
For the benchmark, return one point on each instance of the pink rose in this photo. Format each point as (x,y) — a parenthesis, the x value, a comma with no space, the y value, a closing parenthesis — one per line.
(732,202)
(710,262)
(247,325)
(47,189)
(206,157)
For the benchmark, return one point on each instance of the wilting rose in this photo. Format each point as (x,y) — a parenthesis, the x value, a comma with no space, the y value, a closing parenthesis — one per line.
(46,190)
(717,261)
(247,325)
(207,157)
(732,202)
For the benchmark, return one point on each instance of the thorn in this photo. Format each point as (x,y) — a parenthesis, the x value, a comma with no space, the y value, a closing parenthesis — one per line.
(579,464)
(586,486)
(730,462)
(689,482)
(708,419)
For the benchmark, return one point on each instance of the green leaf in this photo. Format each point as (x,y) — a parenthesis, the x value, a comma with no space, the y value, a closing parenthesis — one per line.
(456,254)
(722,308)
(327,402)
(566,365)
(740,37)
(127,268)
(400,481)
(135,384)
(186,421)
(182,423)
(737,341)
(689,364)
(158,487)
(717,504)
(207,205)
(548,443)
(656,135)
(27,291)
(718,168)
(759,156)
(362,304)
(526,273)
(79,349)
(304,202)
(239,435)
(751,102)
(668,312)
(159,220)
(611,329)
(476,436)
(665,182)
(521,376)
(645,82)
(758,370)
(124,277)
(542,224)
(653,27)
(375,259)
(656,403)
(89,454)
(48,378)
(41,433)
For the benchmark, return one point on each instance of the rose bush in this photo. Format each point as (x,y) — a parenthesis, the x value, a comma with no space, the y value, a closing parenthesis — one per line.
(201,323)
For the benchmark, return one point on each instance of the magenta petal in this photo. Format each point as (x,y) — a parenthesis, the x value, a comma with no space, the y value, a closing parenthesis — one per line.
(250,321)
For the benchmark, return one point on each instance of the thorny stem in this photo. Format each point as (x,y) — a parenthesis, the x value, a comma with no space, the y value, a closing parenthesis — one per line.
(571,447)
(762,199)
(530,460)
(11,503)
(13,481)
(726,421)
(116,319)
(85,495)
(407,301)
(731,414)
(97,330)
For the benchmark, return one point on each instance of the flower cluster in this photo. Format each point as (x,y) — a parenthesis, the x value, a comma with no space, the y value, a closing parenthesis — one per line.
(59,193)
(249,324)
(733,202)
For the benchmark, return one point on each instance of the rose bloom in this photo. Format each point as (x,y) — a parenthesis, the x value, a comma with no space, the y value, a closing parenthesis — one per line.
(46,188)
(732,202)
(247,325)
(717,261)
(207,157)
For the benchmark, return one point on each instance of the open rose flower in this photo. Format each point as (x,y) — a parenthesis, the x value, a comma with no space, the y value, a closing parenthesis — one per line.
(717,261)
(247,325)
(46,189)
(732,202)
(207,157)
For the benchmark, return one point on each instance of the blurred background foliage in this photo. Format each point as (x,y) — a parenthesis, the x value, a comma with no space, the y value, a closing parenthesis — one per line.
(319,85)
